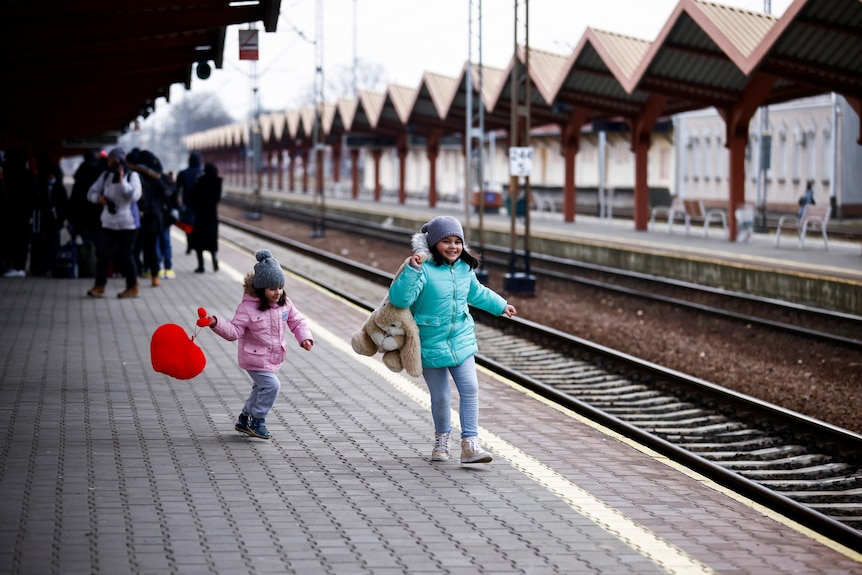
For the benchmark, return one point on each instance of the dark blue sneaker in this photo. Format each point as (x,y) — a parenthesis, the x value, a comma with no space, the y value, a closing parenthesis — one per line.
(242,424)
(257,428)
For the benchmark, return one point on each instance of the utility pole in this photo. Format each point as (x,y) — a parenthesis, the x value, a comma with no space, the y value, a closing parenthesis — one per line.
(318,229)
(475,134)
(520,162)
(764,155)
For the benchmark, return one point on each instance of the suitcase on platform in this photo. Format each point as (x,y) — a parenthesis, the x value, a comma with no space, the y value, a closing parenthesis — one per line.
(65,264)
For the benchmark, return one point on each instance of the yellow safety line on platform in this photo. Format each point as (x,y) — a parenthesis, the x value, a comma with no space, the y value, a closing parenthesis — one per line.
(846,551)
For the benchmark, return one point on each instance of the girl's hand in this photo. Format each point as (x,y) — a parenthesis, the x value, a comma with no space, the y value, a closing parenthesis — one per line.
(510,310)
(306,344)
(416,260)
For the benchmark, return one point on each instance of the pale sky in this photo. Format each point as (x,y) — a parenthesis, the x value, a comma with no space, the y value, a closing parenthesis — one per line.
(409,37)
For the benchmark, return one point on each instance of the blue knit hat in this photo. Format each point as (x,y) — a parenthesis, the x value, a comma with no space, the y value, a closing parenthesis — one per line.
(442,227)
(267,271)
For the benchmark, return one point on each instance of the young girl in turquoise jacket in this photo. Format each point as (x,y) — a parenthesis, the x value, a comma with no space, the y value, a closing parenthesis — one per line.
(438,286)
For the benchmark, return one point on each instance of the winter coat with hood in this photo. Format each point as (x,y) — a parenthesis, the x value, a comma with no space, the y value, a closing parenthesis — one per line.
(124,193)
(261,345)
(439,297)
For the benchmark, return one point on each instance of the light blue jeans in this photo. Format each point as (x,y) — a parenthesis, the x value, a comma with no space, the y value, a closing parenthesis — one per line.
(467,382)
(264,390)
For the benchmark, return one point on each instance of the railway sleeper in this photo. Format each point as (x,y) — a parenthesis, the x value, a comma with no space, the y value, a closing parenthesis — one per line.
(622,399)
(650,404)
(605,389)
(713,430)
(816,472)
(757,442)
(837,496)
(676,420)
(842,483)
(665,415)
(563,373)
(688,436)
(573,381)
(797,462)
(766,453)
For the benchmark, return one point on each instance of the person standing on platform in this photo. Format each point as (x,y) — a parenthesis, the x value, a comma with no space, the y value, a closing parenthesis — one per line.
(20,199)
(49,216)
(438,285)
(185,182)
(117,190)
(806,198)
(205,197)
(84,216)
(259,324)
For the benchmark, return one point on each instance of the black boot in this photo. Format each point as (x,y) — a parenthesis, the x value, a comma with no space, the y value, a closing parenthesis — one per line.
(200,269)
(215,262)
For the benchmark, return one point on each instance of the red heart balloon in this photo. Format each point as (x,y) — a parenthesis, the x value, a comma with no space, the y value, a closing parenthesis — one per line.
(175,354)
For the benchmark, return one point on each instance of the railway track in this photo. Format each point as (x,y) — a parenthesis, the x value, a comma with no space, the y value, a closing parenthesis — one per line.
(803,468)
(815,323)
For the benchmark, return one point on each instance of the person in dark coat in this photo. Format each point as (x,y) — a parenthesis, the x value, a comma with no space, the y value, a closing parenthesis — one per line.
(185,182)
(49,216)
(19,201)
(84,215)
(205,197)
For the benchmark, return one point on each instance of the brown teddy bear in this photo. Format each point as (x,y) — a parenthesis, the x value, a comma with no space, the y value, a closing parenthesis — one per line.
(391,331)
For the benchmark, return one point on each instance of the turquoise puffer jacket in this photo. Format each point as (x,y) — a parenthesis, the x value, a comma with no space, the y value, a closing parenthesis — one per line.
(439,297)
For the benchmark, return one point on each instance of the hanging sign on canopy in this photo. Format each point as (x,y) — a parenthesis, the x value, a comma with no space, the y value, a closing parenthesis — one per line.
(248,44)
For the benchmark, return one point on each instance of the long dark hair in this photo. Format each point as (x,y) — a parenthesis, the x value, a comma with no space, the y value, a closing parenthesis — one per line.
(263,303)
(466,257)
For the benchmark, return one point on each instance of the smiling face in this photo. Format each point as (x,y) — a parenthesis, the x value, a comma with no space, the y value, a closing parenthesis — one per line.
(450,248)
(273,294)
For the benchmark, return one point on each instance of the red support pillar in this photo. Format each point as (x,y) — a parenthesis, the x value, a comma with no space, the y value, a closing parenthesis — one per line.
(280,168)
(354,172)
(336,162)
(736,120)
(269,169)
(376,154)
(642,127)
(432,150)
(571,139)
(304,154)
(402,168)
(291,170)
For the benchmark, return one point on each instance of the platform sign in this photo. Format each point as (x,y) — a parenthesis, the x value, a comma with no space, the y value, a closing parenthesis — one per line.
(248,44)
(520,161)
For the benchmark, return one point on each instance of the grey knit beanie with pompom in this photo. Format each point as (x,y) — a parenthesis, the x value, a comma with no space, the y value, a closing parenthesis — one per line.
(442,227)
(267,271)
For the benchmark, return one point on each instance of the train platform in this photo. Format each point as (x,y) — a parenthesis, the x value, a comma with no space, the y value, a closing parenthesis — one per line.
(818,275)
(108,467)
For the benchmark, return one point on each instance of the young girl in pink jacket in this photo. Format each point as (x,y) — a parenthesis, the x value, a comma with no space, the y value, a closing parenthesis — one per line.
(259,324)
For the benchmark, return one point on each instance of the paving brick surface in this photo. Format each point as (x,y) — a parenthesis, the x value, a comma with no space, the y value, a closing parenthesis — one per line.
(109,467)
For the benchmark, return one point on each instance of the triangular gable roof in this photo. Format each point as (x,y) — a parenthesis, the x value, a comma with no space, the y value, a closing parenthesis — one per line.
(327,117)
(347,111)
(727,28)
(306,121)
(370,106)
(441,90)
(402,99)
(545,69)
(291,118)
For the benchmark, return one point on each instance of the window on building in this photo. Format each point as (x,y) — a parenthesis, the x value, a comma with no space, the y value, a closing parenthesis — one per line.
(780,158)
(826,153)
(717,154)
(706,160)
(694,144)
(811,151)
(798,147)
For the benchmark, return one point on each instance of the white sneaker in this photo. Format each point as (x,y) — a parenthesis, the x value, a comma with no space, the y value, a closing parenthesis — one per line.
(472,452)
(13,273)
(441,447)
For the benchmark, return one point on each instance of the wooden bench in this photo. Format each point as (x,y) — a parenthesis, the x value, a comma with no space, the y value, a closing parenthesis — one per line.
(691,210)
(813,216)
